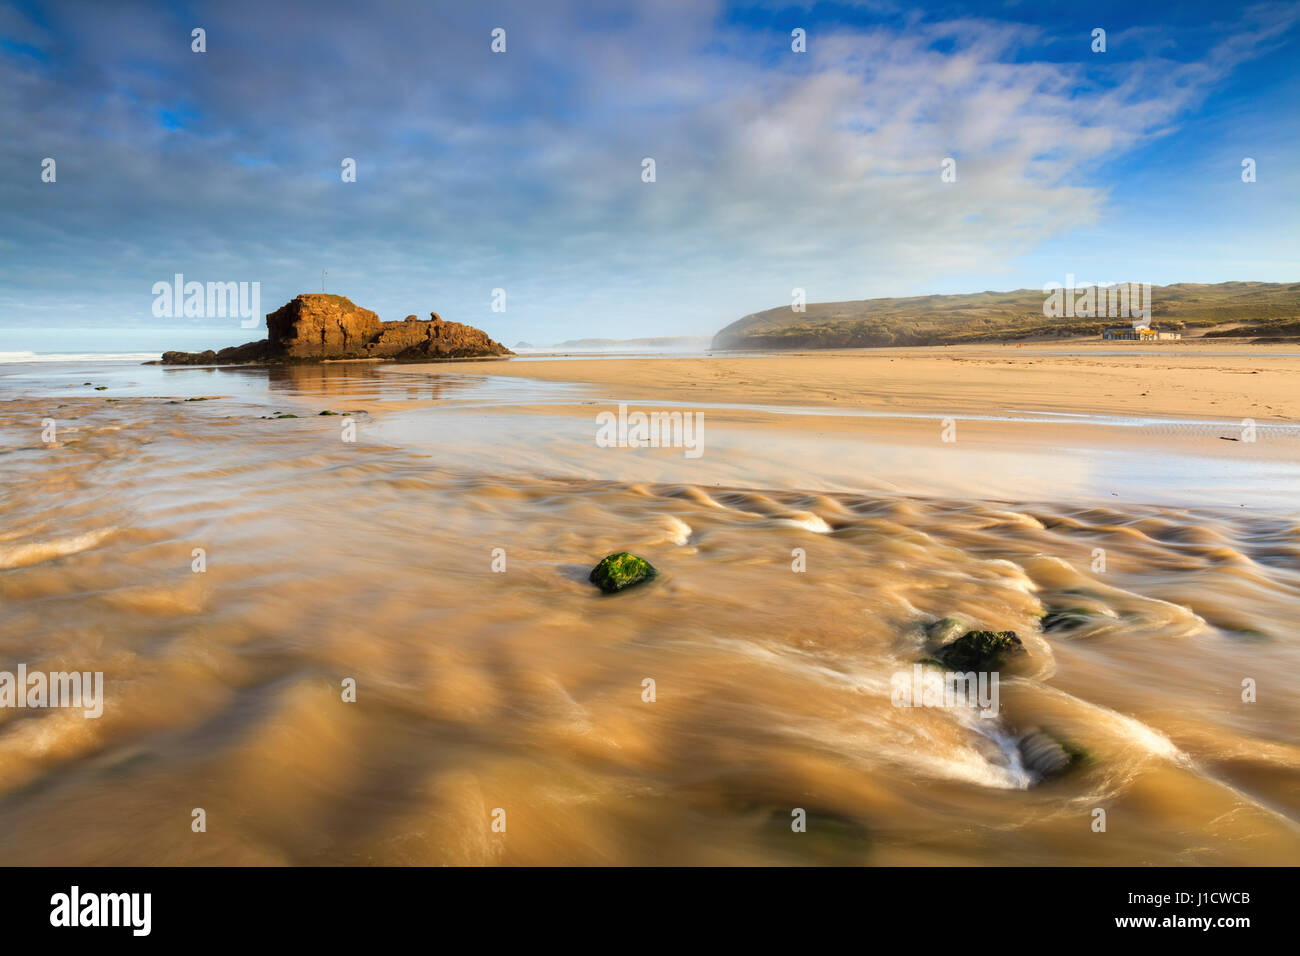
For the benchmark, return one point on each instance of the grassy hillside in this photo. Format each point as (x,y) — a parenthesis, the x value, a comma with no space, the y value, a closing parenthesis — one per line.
(1267,309)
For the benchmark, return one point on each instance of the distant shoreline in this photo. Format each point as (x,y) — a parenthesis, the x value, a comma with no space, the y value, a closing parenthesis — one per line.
(1235,382)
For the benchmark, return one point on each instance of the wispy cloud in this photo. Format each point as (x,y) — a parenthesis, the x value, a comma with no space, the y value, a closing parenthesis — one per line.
(522,170)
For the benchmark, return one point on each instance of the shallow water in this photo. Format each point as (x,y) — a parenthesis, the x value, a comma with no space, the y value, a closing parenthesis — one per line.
(522,690)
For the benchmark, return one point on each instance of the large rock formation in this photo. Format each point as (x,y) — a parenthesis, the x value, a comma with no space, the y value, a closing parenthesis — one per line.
(317,326)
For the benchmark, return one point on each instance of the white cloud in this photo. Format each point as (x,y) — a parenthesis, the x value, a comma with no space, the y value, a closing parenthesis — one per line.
(775,170)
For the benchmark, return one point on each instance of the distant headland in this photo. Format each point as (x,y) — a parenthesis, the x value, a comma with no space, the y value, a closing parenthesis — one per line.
(1260,311)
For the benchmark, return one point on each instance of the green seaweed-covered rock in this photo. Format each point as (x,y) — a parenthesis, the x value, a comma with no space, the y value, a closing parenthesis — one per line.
(622,570)
(824,837)
(982,650)
(1067,618)
(1047,756)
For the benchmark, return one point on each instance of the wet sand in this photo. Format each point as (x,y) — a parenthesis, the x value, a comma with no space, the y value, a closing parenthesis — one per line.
(1174,380)
(521,689)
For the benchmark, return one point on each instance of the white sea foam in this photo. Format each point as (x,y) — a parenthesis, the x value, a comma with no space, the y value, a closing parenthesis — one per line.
(14,358)
(678,531)
(806,520)
(34,552)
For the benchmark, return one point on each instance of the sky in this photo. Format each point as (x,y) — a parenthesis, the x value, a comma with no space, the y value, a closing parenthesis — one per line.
(524,170)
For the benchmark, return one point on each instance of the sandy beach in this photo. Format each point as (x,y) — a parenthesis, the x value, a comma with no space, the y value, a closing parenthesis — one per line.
(1190,379)
(666,436)
(439,559)
(1004,422)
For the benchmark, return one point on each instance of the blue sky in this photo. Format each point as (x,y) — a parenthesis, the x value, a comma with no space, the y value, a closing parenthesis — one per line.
(522,170)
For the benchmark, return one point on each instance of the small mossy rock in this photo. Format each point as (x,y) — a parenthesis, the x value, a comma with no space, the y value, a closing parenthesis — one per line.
(622,570)
(1067,618)
(944,631)
(826,837)
(1042,754)
(982,650)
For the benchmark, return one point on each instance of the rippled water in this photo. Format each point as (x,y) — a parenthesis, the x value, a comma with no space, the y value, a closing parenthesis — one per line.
(523,691)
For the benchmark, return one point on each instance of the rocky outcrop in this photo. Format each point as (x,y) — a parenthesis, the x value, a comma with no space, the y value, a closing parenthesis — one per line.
(322,326)
(249,352)
(316,326)
(1044,755)
(1067,618)
(622,570)
(981,650)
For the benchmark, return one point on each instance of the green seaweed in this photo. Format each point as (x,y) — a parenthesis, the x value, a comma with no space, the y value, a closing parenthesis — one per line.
(1067,618)
(829,837)
(621,570)
(981,650)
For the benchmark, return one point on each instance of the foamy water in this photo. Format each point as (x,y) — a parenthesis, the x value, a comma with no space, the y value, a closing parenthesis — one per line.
(522,690)
(15,358)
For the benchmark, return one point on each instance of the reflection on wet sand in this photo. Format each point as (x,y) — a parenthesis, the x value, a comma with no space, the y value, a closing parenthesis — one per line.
(522,691)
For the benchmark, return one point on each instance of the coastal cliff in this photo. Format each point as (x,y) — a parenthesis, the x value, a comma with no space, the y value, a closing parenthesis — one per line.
(317,326)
